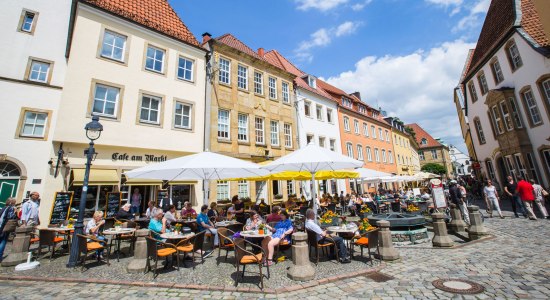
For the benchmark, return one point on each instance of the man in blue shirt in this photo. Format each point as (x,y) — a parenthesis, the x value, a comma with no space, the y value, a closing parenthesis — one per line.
(323,237)
(205,224)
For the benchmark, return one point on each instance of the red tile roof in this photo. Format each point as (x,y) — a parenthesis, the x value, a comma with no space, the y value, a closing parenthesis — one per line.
(422,134)
(233,42)
(153,14)
(500,20)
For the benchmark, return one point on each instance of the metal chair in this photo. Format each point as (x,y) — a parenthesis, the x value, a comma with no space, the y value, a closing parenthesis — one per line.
(88,244)
(156,250)
(192,245)
(314,243)
(245,257)
(48,238)
(367,240)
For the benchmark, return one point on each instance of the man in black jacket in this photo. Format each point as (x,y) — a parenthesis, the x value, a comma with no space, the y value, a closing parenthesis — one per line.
(456,198)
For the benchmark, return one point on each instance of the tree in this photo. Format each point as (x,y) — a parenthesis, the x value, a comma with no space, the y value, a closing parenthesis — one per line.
(434,168)
(411,132)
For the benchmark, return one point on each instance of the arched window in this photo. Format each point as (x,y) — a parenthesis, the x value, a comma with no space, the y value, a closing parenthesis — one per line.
(8,169)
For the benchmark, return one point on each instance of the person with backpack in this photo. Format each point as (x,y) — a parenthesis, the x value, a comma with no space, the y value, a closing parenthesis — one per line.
(8,223)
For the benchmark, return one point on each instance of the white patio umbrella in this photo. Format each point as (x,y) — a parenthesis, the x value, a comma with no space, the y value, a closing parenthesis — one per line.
(313,158)
(200,166)
(372,175)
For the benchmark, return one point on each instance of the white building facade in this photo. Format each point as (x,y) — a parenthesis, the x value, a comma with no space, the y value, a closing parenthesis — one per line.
(32,75)
(462,164)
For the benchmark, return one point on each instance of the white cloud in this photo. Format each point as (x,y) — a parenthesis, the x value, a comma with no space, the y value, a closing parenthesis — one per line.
(445,2)
(417,87)
(322,5)
(322,38)
(359,6)
(473,19)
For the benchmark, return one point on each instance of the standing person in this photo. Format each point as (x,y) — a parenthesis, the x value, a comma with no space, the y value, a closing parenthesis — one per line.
(492,199)
(6,214)
(510,190)
(92,228)
(463,192)
(205,224)
(539,198)
(527,194)
(324,237)
(238,207)
(135,201)
(456,198)
(30,210)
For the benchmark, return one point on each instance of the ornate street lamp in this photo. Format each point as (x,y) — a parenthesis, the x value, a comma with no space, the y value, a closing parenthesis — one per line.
(93,132)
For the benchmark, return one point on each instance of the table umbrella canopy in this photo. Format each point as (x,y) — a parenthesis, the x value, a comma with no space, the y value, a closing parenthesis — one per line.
(303,175)
(425,175)
(369,174)
(204,165)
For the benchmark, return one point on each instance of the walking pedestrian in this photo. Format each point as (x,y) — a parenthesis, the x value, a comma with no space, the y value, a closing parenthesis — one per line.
(7,214)
(539,198)
(510,190)
(30,210)
(492,199)
(457,200)
(527,194)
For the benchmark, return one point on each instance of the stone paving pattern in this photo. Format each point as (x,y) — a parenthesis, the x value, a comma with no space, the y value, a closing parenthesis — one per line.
(514,264)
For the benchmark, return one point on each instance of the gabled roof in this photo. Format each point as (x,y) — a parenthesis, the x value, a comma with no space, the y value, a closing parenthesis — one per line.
(233,42)
(422,134)
(157,15)
(502,17)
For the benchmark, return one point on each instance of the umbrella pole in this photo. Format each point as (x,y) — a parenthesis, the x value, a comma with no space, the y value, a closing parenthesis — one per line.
(313,197)
(205,189)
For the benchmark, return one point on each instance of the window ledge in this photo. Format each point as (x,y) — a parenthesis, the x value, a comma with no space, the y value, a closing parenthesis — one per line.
(243,90)
(224,141)
(243,143)
(276,147)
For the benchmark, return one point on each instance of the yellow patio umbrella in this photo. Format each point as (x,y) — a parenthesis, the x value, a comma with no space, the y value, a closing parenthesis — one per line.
(302,175)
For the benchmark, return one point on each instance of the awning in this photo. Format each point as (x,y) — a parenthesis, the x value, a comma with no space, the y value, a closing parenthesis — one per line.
(182,182)
(97,177)
(141,182)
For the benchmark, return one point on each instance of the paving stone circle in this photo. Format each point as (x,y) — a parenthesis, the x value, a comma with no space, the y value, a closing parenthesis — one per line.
(458,286)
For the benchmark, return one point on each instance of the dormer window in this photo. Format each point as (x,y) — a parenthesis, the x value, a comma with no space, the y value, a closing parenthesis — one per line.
(347,102)
(424,141)
(362,109)
(374,114)
(312,81)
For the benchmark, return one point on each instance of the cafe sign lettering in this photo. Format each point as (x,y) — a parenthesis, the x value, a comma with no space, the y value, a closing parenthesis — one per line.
(146,158)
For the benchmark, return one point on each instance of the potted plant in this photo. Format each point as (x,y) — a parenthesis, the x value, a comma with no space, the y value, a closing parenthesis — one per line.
(261,229)
(344,221)
(177,228)
(413,209)
(365,226)
(70,224)
(329,218)
(278,197)
(118,225)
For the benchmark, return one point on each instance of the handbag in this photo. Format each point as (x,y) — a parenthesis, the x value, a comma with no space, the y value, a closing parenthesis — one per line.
(10,226)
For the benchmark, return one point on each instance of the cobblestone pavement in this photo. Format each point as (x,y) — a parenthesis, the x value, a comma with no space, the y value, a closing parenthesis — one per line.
(514,264)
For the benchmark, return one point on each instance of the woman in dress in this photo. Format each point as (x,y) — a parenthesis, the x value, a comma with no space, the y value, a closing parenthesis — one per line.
(281,231)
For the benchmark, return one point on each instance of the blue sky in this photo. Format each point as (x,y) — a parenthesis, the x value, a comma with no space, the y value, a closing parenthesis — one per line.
(403,55)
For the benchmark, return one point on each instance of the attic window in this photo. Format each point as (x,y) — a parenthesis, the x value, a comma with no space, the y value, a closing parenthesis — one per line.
(347,102)
(423,141)
(362,109)
(312,81)
(374,114)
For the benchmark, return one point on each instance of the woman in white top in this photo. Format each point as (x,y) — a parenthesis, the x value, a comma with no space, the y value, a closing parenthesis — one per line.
(492,199)
(92,228)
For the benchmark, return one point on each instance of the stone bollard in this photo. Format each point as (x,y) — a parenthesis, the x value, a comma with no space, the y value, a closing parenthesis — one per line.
(476,229)
(301,268)
(139,262)
(385,244)
(441,238)
(20,247)
(457,224)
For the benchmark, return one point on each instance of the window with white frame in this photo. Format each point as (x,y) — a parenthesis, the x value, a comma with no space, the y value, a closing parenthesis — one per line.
(332,144)
(242,77)
(259,127)
(506,115)
(150,109)
(223,124)
(369,154)
(242,134)
(421,155)
(532,108)
(258,83)
(113,45)
(182,115)
(384,160)
(365,129)
(520,165)
(472,89)
(546,157)
(224,73)
(515,113)
(497,121)
(154,60)
(311,81)
(185,69)
(390,156)
(434,153)
(272,88)
(373,130)
(360,152)
(222,190)
(307,108)
(274,133)
(423,141)
(380,135)
(34,124)
(388,137)
(329,114)
(532,168)
(285,89)
(319,112)
(288,135)
(490,169)
(346,124)
(356,126)
(349,149)
(243,189)
(362,109)
(322,141)
(105,100)
(39,71)
(28,20)
(513,56)
(546,90)
(479,130)
(398,158)
(376,154)
(290,187)
(497,72)
(510,166)
(347,102)
(482,83)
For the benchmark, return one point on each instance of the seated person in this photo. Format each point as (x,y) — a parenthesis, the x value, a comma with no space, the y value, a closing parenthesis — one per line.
(274,216)
(213,212)
(253,222)
(351,204)
(425,195)
(205,224)
(124,212)
(324,237)
(188,210)
(92,228)
(150,208)
(290,203)
(170,215)
(157,225)
(281,231)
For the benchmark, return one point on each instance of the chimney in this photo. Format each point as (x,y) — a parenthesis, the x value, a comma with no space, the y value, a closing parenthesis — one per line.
(206,37)
(261,52)
(357,94)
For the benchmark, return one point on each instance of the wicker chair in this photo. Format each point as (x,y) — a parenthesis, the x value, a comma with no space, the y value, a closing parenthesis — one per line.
(314,243)
(156,250)
(367,240)
(191,245)
(226,241)
(88,244)
(48,238)
(245,257)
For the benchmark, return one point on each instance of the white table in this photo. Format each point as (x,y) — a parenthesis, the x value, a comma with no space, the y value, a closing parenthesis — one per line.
(226,223)
(116,233)
(255,234)
(174,236)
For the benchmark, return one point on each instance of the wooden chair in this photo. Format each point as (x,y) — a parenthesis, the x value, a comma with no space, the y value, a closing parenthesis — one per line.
(192,245)
(245,257)
(48,238)
(88,244)
(156,250)
(313,243)
(226,241)
(367,240)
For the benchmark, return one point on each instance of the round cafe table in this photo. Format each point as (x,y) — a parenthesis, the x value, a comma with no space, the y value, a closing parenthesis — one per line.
(255,234)
(117,233)
(226,223)
(61,230)
(172,236)
(346,233)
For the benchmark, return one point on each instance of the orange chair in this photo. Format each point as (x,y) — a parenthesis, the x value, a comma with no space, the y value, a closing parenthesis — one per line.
(157,249)
(313,242)
(192,245)
(245,257)
(367,240)
(226,241)
(48,238)
(88,244)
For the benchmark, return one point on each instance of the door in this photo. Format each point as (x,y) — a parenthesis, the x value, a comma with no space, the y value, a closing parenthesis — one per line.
(8,188)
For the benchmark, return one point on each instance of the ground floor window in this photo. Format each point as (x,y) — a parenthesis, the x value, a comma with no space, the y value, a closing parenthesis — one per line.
(290,188)
(96,199)
(222,191)
(243,189)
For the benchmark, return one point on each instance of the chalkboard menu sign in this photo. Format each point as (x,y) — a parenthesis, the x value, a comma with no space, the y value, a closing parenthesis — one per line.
(61,207)
(113,204)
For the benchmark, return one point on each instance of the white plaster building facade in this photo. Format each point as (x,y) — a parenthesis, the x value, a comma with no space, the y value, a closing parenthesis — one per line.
(461,162)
